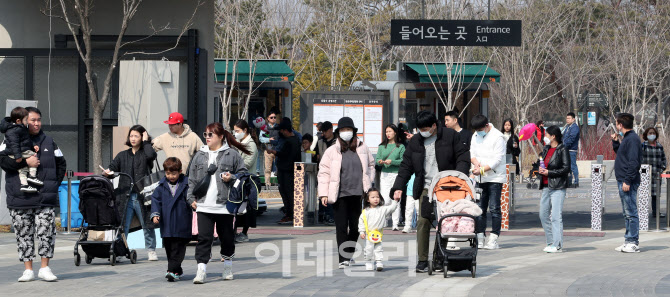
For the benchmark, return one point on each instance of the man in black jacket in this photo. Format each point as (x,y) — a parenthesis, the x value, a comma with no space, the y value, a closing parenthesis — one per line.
(35,212)
(435,149)
(451,121)
(627,170)
(288,154)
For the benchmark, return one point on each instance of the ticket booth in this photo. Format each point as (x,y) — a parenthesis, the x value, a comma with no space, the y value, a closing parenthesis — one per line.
(270,82)
(418,86)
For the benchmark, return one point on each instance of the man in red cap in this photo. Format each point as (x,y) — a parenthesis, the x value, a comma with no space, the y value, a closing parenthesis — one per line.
(180,142)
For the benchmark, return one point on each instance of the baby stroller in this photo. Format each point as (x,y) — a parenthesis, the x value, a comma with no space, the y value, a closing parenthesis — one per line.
(533,176)
(455,210)
(105,216)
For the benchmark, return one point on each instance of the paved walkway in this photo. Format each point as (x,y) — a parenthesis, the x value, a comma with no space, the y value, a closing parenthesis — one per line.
(282,261)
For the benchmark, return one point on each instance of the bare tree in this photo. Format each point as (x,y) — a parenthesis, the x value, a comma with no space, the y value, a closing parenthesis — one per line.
(77,17)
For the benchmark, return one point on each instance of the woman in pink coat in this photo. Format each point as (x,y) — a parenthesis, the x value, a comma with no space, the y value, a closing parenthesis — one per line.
(346,172)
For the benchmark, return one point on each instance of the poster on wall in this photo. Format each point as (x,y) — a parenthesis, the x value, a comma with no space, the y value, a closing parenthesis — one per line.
(367,115)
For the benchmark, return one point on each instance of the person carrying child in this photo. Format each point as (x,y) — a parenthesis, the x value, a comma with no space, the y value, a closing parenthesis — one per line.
(172,212)
(20,146)
(371,223)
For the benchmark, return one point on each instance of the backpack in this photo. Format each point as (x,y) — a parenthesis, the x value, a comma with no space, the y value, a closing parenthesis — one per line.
(245,189)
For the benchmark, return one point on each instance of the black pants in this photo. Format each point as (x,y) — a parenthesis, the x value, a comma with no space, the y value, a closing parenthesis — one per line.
(224,227)
(286,186)
(175,248)
(347,211)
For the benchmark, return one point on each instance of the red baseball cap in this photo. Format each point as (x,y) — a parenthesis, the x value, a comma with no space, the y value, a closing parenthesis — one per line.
(175,118)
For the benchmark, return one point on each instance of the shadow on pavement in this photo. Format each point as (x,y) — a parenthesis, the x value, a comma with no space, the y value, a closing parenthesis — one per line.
(84,275)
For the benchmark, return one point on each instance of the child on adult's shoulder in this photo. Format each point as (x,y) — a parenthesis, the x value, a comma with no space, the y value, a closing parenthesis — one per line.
(171,211)
(20,146)
(371,224)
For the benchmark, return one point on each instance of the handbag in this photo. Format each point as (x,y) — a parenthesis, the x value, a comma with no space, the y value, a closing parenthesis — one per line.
(200,189)
(149,183)
(374,236)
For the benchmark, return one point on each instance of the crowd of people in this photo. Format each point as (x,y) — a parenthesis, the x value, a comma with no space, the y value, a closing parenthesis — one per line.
(199,176)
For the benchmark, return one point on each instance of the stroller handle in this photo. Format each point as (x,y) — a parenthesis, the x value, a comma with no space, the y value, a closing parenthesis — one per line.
(132,182)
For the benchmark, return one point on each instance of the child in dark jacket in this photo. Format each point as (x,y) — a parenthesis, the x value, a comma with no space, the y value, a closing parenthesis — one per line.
(19,146)
(170,210)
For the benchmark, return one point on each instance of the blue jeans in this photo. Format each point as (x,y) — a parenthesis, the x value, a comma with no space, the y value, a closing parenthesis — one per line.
(134,208)
(490,199)
(573,166)
(552,203)
(629,204)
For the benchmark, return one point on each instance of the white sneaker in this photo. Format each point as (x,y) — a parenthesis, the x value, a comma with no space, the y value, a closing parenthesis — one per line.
(395,228)
(452,246)
(480,240)
(28,275)
(492,243)
(200,277)
(227,271)
(369,266)
(631,248)
(153,256)
(379,266)
(407,229)
(620,248)
(553,249)
(46,274)
(343,264)
(546,249)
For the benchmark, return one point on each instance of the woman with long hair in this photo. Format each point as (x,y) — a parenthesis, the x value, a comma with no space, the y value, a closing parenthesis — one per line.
(137,161)
(346,172)
(389,156)
(512,142)
(554,184)
(219,163)
(247,137)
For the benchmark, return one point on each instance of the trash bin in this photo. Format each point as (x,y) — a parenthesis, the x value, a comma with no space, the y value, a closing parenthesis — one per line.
(76,217)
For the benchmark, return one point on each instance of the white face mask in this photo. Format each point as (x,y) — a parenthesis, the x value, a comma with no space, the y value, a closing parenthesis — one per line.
(547,141)
(347,135)
(651,137)
(426,134)
(239,136)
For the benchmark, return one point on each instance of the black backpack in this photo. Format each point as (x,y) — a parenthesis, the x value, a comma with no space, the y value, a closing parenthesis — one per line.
(97,201)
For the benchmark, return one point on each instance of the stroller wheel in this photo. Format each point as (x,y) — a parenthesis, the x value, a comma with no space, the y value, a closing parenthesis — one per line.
(88,259)
(446,268)
(77,260)
(112,259)
(529,186)
(535,186)
(473,271)
(430,267)
(133,257)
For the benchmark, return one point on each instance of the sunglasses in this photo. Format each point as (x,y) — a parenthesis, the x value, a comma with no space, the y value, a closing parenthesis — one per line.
(207,134)
(272,118)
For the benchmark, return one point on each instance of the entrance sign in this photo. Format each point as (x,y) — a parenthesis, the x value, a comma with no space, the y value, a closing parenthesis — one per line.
(456,32)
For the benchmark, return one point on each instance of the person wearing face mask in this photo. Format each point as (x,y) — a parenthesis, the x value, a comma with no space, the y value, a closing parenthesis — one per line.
(628,149)
(653,154)
(436,148)
(287,155)
(553,185)
(487,153)
(247,137)
(346,172)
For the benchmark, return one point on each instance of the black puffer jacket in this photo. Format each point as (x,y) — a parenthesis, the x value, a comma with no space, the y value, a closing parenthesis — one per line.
(16,138)
(559,168)
(137,165)
(450,153)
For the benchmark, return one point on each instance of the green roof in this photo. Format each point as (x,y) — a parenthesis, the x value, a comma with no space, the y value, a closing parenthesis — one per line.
(460,73)
(262,70)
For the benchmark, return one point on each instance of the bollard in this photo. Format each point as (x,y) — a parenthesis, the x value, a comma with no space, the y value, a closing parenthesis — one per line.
(299,195)
(505,200)
(69,175)
(643,194)
(666,175)
(597,196)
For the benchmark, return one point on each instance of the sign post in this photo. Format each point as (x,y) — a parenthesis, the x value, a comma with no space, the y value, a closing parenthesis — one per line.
(456,32)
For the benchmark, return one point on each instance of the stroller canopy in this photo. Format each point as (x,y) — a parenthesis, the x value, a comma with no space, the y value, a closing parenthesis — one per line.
(451,185)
